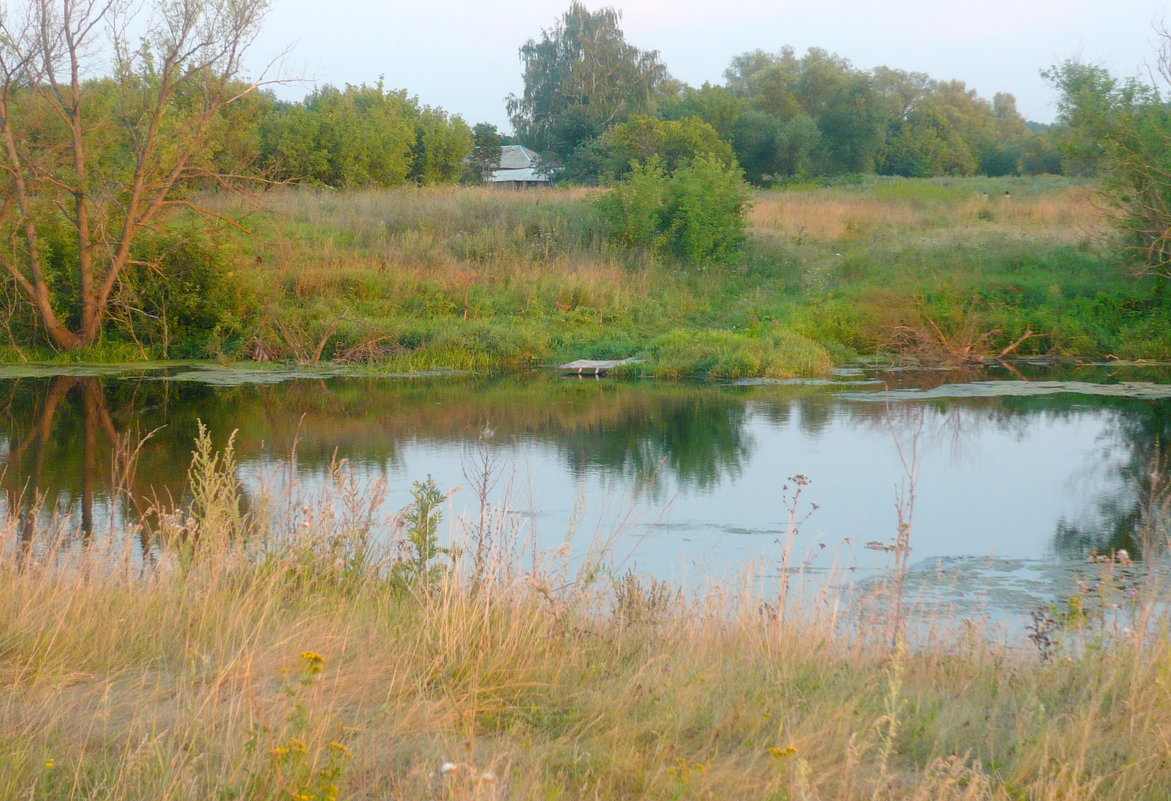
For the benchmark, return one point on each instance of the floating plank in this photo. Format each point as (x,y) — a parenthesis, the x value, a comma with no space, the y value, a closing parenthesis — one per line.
(593,366)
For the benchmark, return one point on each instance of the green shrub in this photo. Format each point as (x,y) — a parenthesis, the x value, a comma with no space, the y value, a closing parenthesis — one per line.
(695,213)
(633,210)
(178,293)
(704,212)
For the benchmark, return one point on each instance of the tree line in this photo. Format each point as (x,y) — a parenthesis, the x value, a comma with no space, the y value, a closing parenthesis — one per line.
(593,104)
(591,100)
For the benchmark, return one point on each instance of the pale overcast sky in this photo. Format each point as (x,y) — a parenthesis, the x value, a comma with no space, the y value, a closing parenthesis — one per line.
(462,55)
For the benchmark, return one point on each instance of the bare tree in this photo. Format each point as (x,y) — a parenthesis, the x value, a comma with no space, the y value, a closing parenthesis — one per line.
(90,164)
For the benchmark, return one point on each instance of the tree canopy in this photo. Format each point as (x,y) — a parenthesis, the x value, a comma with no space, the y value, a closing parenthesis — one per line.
(581,78)
(91,165)
(363,136)
(784,115)
(1120,129)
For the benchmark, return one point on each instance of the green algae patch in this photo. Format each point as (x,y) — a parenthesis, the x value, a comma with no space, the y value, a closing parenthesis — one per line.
(234,377)
(53,370)
(1019,389)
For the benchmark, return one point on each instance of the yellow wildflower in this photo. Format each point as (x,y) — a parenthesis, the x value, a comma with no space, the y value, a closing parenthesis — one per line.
(783,752)
(50,764)
(314,662)
(340,748)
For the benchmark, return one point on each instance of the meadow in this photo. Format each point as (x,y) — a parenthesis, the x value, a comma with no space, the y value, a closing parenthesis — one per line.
(930,270)
(304,648)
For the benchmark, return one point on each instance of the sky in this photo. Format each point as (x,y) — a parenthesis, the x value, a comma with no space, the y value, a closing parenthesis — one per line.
(462,55)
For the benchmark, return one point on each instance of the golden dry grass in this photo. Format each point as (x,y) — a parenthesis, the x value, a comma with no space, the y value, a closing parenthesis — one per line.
(284,667)
(838,215)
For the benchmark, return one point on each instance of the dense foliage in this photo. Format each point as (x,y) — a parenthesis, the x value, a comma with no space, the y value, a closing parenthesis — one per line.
(581,78)
(363,136)
(89,168)
(784,116)
(694,212)
(1119,130)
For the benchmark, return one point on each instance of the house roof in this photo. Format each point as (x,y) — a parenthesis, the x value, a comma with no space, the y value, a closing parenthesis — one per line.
(517,163)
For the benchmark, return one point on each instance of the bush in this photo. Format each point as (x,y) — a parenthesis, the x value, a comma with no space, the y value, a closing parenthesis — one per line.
(705,209)
(633,209)
(177,294)
(695,213)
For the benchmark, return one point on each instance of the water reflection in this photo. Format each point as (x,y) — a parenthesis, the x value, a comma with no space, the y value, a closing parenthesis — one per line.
(59,440)
(1130,514)
(69,442)
(104,448)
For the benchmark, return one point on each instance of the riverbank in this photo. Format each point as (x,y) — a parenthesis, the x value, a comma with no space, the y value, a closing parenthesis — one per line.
(935,271)
(316,660)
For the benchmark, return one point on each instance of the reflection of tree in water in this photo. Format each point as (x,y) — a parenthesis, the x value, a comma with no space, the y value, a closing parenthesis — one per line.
(63,435)
(63,450)
(1133,453)
(698,439)
(59,437)
(95,449)
(1141,433)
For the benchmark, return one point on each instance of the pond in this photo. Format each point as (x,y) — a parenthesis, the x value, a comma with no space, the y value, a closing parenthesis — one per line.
(1020,472)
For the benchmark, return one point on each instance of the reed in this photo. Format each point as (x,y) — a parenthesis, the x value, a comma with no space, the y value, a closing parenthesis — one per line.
(278,651)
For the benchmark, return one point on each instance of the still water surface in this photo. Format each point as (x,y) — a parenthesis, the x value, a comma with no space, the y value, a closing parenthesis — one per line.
(1020,473)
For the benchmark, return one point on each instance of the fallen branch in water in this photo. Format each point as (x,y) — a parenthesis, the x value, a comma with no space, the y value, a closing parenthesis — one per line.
(1029,334)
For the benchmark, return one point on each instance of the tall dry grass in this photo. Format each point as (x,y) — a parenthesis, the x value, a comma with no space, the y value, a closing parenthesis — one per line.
(476,278)
(837,215)
(471,278)
(277,652)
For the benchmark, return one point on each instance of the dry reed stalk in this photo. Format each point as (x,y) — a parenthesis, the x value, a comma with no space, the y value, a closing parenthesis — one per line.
(201,678)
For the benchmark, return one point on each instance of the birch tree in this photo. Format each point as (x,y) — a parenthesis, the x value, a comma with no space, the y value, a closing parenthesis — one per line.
(581,79)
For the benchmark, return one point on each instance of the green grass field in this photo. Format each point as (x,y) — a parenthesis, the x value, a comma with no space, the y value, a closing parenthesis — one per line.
(938,270)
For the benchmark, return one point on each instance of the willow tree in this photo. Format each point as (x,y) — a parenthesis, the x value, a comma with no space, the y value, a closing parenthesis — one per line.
(104,134)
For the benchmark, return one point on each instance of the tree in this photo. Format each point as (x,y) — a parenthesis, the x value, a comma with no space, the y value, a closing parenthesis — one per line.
(90,165)
(842,103)
(485,158)
(926,143)
(580,79)
(442,143)
(357,137)
(1122,129)
(847,110)
(675,142)
(715,105)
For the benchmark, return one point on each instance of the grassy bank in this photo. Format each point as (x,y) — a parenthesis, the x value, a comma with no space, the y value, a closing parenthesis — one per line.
(939,270)
(292,652)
